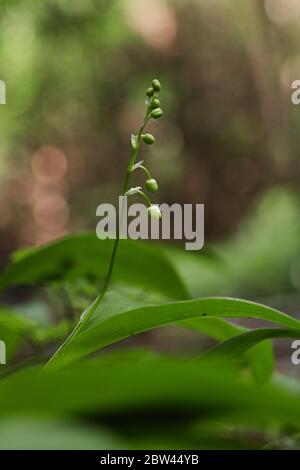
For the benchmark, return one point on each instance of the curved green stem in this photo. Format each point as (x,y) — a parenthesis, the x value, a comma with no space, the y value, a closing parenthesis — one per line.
(145,169)
(147,199)
(89,312)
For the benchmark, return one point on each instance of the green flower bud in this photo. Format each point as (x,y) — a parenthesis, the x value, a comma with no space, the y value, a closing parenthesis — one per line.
(156,84)
(155,103)
(151,185)
(148,139)
(154,212)
(157,113)
(150,92)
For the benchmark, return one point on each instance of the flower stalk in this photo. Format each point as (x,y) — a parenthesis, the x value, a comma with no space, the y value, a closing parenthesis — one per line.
(152,111)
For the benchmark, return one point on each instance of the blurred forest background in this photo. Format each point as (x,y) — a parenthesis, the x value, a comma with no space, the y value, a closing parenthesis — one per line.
(76,72)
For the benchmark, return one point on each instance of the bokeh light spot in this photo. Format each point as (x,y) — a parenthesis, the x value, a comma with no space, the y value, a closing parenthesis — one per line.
(49,163)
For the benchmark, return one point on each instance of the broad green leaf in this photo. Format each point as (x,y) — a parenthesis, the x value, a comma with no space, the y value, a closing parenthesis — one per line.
(13,328)
(140,265)
(59,434)
(28,267)
(114,384)
(113,321)
(217,328)
(260,357)
(39,434)
(240,343)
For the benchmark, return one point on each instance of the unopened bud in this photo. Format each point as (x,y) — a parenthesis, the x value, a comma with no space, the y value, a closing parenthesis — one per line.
(148,139)
(157,113)
(151,185)
(155,103)
(150,92)
(156,84)
(154,212)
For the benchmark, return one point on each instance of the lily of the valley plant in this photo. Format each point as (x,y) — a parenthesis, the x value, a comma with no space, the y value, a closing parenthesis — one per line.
(153,111)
